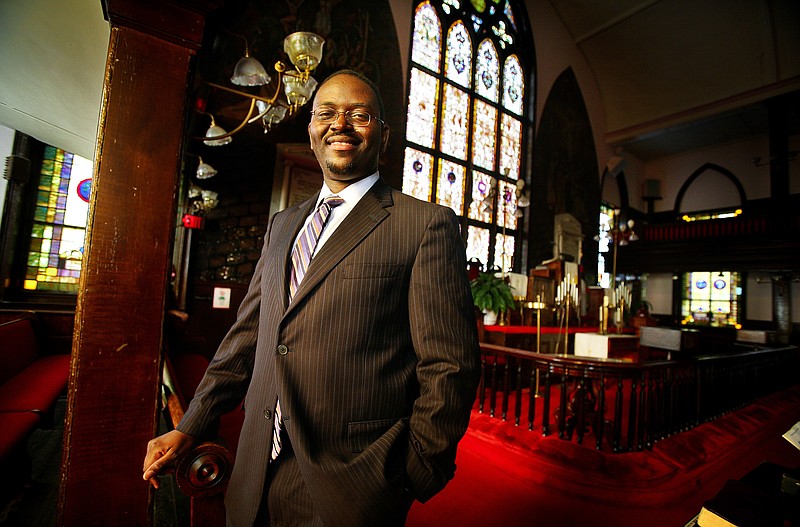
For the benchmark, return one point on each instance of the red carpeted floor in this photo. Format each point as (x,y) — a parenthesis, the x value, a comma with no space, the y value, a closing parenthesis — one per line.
(510,477)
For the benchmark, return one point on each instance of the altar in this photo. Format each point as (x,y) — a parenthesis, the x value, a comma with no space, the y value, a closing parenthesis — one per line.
(608,346)
(524,337)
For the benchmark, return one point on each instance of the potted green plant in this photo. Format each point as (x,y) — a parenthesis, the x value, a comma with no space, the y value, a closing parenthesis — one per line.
(492,295)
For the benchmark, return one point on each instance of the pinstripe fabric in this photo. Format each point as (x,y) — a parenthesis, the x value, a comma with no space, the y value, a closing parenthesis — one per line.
(379,368)
(302,252)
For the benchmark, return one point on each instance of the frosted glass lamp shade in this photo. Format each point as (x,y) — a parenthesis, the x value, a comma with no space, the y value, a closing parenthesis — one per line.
(249,72)
(298,92)
(304,50)
(216,131)
(205,171)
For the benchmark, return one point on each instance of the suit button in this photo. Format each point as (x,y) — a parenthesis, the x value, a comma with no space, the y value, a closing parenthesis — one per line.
(282,349)
(267,414)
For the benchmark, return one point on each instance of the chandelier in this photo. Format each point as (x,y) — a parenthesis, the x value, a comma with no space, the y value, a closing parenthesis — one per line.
(293,88)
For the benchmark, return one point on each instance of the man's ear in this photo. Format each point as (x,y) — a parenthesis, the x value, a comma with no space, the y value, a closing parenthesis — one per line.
(384,138)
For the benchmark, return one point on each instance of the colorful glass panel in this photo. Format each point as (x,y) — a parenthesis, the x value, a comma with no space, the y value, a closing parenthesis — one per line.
(605,245)
(57,236)
(484,135)
(507,205)
(487,71)
(426,50)
(510,15)
(510,146)
(513,85)
(503,251)
(711,298)
(458,55)
(422,103)
(482,205)
(478,245)
(450,189)
(455,122)
(417,174)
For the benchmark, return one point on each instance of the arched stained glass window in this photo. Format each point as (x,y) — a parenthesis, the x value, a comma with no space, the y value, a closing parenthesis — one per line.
(466,120)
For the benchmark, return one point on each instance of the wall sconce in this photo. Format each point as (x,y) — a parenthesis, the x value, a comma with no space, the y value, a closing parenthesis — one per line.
(305,53)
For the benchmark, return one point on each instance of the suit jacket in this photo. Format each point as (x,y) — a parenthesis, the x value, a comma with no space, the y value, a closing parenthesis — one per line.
(375,361)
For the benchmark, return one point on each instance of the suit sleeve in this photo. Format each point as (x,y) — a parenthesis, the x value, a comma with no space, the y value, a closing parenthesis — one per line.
(444,335)
(227,377)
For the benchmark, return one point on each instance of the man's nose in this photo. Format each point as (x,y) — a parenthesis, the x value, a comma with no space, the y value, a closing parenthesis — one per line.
(340,121)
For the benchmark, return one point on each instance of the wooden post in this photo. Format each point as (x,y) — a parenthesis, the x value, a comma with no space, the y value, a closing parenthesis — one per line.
(114,378)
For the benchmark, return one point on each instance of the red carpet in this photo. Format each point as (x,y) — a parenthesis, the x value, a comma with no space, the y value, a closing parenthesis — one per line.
(510,477)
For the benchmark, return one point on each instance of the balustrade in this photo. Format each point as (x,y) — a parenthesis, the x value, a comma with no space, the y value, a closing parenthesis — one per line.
(626,405)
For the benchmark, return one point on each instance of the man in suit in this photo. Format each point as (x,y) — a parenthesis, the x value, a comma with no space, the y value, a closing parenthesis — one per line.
(368,362)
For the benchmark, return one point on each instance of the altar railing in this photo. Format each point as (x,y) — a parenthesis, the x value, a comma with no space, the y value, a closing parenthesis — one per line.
(626,406)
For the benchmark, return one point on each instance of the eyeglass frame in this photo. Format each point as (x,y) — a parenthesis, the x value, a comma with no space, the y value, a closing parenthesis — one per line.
(347,117)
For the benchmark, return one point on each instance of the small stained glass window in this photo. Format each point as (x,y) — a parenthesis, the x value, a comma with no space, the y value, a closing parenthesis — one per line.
(422,106)
(455,122)
(482,206)
(487,71)
(451,186)
(417,174)
(55,254)
(477,244)
(426,49)
(507,205)
(513,85)
(711,298)
(504,251)
(484,135)
(510,146)
(458,64)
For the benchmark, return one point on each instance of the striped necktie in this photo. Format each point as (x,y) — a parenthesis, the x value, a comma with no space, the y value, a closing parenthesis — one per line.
(301,256)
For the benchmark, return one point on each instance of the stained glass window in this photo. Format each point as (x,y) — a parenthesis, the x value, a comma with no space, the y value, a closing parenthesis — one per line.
(422,106)
(417,174)
(427,37)
(482,206)
(458,66)
(450,191)
(513,85)
(503,250)
(455,119)
(59,223)
(466,121)
(605,246)
(487,71)
(484,134)
(711,298)
(510,146)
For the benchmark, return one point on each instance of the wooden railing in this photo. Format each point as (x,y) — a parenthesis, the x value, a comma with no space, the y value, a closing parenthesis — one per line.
(626,406)
(204,472)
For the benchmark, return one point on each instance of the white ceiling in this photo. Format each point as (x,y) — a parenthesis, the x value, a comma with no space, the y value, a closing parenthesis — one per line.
(674,75)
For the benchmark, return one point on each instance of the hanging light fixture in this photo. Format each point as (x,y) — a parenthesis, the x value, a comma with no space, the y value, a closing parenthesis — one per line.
(249,71)
(304,50)
(216,135)
(205,171)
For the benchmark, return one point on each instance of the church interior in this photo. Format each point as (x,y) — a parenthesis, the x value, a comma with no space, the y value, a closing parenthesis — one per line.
(625,174)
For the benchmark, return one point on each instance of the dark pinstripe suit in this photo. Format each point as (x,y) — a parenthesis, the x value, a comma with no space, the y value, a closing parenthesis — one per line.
(375,362)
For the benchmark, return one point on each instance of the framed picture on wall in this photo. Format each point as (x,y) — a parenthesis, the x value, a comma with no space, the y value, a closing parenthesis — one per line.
(297,176)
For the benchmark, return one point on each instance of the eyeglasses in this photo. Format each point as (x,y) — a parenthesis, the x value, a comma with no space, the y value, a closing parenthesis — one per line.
(353,117)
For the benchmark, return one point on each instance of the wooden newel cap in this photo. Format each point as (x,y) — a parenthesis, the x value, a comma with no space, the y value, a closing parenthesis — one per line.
(205,470)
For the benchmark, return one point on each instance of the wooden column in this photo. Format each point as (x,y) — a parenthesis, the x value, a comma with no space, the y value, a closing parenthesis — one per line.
(114,378)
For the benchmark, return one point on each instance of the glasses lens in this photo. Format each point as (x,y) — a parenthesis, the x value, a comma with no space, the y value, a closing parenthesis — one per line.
(356,118)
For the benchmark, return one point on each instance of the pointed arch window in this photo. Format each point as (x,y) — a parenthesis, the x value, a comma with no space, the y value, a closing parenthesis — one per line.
(466,120)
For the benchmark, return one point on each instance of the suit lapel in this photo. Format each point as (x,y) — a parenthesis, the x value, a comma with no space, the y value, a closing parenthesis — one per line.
(365,216)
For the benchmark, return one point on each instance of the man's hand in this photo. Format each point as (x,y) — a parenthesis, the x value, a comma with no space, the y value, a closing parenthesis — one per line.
(163,452)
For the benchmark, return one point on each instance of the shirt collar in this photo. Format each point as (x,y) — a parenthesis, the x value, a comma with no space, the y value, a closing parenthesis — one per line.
(352,193)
